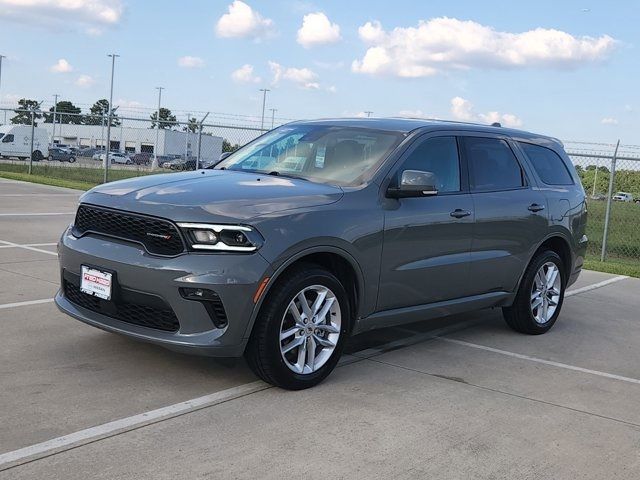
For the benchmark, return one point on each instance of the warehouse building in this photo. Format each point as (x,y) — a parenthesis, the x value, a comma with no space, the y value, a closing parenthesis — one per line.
(137,140)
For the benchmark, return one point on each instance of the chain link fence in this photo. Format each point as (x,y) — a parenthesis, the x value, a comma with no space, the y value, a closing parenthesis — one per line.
(75,148)
(610,175)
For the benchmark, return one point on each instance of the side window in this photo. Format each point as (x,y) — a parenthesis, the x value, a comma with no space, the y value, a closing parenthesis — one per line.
(438,155)
(8,138)
(492,165)
(547,164)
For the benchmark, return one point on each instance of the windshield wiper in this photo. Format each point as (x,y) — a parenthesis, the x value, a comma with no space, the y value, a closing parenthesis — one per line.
(276,173)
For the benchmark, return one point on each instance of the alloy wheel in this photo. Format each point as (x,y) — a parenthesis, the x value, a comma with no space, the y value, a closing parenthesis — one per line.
(545,292)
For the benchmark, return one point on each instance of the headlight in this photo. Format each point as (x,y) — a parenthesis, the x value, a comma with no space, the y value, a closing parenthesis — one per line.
(222,238)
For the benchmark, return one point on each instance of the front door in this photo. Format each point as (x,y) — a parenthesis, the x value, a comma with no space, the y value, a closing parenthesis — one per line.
(510,214)
(427,240)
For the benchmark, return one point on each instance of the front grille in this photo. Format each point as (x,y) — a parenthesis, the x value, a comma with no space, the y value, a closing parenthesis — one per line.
(135,313)
(158,236)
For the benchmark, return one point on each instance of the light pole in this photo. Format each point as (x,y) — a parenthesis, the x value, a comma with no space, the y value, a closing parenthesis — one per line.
(34,110)
(273,116)
(368,112)
(264,102)
(154,165)
(106,155)
(5,112)
(55,110)
(200,140)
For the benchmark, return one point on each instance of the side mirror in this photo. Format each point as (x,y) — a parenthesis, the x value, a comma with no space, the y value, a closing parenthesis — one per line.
(414,183)
(224,155)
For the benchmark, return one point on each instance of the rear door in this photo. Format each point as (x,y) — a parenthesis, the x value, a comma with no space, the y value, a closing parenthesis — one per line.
(427,240)
(510,213)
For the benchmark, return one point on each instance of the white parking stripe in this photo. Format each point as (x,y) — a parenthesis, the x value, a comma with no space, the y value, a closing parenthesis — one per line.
(45,214)
(541,360)
(26,247)
(26,304)
(588,288)
(29,245)
(81,437)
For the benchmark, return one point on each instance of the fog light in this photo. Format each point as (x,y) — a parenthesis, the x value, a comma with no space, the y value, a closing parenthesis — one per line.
(205,236)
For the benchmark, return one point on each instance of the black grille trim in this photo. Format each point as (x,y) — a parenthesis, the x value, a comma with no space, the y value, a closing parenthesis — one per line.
(158,316)
(158,236)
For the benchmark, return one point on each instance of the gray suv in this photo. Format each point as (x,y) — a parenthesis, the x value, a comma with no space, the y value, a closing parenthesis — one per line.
(323,229)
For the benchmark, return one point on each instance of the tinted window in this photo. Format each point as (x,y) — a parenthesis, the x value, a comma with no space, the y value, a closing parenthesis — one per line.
(8,138)
(440,156)
(547,164)
(492,164)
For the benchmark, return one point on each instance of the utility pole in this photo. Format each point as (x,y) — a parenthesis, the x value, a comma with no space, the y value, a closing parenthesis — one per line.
(264,102)
(273,116)
(33,127)
(55,110)
(5,112)
(154,164)
(200,139)
(368,112)
(106,156)
(186,140)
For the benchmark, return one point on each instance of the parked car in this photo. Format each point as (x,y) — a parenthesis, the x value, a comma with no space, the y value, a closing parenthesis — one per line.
(163,159)
(61,155)
(623,197)
(142,158)
(116,157)
(15,141)
(323,229)
(181,164)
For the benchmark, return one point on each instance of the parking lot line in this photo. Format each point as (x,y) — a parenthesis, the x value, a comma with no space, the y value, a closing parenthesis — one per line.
(27,247)
(540,360)
(88,435)
(588,288)
(25,304)
(29,214)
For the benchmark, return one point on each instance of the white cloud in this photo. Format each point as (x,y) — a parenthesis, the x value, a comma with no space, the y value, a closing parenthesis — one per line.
(462,109)
(190,62)
(242,21)
(84,81)
(317,29)
(442,43)
(61,66)
(92,16)
(628,108)
(332,89)
(609,121)
(244,74)
(127,104)
(302,77)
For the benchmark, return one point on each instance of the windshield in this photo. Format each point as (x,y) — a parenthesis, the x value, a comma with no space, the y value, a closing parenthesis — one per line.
(320,153)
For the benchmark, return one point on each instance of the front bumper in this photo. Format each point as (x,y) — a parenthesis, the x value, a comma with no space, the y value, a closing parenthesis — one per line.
(234,277)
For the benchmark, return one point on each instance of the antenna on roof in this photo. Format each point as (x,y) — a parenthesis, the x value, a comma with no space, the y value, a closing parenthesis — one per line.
(496,124)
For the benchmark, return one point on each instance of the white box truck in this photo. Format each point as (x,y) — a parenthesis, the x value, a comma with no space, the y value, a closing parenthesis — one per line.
(15,141)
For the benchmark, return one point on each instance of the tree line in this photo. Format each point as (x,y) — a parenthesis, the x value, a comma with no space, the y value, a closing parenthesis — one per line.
(67,113)
(626,180)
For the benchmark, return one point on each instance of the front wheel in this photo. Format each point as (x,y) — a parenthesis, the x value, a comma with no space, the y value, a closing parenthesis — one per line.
(300,332)
(540,296)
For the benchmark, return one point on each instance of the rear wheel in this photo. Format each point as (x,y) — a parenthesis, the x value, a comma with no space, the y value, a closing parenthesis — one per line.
(37,156)
(300,332)
(540,296)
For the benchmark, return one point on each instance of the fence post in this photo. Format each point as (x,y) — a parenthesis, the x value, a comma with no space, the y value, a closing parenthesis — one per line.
(605,234)
(200,140)
(33,126)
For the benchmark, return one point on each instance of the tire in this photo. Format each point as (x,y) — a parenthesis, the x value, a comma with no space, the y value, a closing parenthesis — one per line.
(522,316)
(265,352)
(37,155)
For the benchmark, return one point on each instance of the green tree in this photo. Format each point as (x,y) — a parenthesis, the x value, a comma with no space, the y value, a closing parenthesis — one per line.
(24,117)
(167,119)
(99,110)
(191,126)
(227,147)
(66,112)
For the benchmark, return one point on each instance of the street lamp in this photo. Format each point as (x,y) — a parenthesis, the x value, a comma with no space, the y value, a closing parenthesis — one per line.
(106,155)
(55,111)
(5,112)
(34,109)
(154,164)
(264,102)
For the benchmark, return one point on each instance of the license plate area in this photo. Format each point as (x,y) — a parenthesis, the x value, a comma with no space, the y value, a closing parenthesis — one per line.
(96,282)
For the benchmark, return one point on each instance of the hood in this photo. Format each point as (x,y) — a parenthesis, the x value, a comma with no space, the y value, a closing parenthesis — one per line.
(211,195)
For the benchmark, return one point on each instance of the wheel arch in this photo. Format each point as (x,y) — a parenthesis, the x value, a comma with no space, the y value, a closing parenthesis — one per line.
(558,243)
(336,260)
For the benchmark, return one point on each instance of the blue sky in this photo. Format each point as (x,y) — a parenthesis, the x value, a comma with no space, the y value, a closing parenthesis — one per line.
(569,69)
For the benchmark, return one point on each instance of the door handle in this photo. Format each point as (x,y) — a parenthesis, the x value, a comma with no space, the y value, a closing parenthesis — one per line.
(459,213)
(535,207)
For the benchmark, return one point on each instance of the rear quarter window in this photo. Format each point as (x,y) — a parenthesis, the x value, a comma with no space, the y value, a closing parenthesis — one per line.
(548,165)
